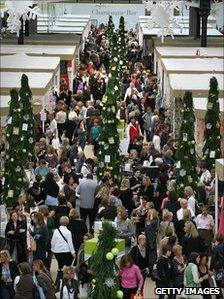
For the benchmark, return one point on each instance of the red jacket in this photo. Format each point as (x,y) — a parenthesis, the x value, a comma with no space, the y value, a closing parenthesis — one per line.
(134,131)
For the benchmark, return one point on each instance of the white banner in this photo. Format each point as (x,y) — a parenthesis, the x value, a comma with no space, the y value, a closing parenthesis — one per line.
(100,12)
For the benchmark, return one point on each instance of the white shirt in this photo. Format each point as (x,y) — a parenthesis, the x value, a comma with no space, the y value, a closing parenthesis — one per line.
(205,177)
(180,213)
(58,244)
(53,128)
(61,117)
(85,170)
(156,141)
(191,203)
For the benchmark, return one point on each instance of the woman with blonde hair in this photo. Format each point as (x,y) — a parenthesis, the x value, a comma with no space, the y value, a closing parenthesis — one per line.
(125,228)
(190,195)
(69,286)
(191,241)
(167,218)
(179,265)
(8,272)
(126,196)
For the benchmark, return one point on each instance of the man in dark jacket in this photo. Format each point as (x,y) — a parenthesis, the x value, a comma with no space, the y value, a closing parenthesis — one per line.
(164,271)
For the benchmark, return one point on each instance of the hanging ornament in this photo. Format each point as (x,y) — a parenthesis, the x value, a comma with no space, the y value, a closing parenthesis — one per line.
(190,180)
(116,87)
(17,10)
(18,169)
(12,159)
(115,251)
(31,140)
(209,106)
(26,117)
(101,164)
(184,136)
(15,131)
(24,150)
(111,140)
(182,172)
(106,146)
(191,151)
(107,158)
(115,59)
(24,127)
(120,294)
(10,193)
(9,120)
(19,180)
(109,256)
(208,126)
(109,282)
(212,154)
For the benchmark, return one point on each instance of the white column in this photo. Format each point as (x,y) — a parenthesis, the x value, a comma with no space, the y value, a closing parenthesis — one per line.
(216,203)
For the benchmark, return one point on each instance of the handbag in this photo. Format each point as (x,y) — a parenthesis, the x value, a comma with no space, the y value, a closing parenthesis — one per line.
(212,282)
(33,245)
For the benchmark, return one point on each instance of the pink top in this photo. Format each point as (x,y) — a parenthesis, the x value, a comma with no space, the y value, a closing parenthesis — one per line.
(131,277)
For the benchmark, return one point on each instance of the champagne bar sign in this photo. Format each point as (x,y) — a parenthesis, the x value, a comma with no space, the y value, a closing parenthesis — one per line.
(101,12)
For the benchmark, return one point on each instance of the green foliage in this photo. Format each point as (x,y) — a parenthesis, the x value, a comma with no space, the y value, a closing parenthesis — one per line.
(15,180)
(110,30)
(27,118)
(212,146)
(186,175)
(122,51)
(105,282)
(109,138)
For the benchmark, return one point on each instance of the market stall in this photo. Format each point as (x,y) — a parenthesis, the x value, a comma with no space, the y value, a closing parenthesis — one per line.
(198,84)
(184,52)
(68,56)
(24,63)
(41,85)
(200,108)
(169,66)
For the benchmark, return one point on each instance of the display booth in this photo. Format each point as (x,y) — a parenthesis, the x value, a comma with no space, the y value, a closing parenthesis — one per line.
(68,57)
(200,108)
(169,66)
(41,85)
(198,84)
(219,175)
(183,53)
(23,63)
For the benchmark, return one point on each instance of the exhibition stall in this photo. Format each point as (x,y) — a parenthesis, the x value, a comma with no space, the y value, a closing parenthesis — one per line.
(167,66)
(198,84)
(184,52)
(200,108)
(41,85)
(68,56)
(24,63)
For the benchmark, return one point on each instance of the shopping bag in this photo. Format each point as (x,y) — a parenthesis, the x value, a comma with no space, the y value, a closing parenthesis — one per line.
(140,296)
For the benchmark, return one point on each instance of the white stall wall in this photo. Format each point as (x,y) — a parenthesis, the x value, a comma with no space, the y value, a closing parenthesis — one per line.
(100,12)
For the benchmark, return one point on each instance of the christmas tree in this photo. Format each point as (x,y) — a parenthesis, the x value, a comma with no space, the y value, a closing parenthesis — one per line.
(14,175)
(108,155)
(110,30)
(27,118)
(212,139)
(105,282)
(186,174)
(122,46)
